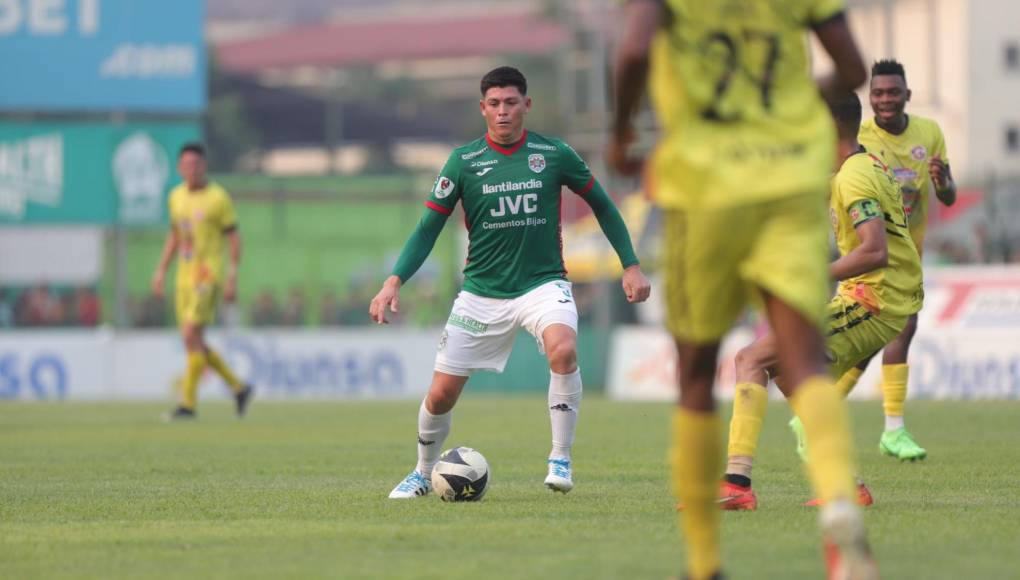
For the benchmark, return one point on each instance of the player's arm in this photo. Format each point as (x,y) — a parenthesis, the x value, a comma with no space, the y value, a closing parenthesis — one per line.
(941,176)
(417,248)
(576,175)
(230,290)
(642,18)
(873,252)
(635,284)
(169,247)
(228,225)
(833,32)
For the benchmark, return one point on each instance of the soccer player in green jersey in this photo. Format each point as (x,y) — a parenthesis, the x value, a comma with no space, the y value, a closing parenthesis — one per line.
(509,184)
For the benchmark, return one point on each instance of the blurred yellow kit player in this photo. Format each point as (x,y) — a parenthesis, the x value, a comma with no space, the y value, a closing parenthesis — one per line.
(914,148)
(741,174)
(201,214)
(880,286)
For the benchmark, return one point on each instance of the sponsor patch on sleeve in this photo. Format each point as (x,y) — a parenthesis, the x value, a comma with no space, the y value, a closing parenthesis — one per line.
(444,187)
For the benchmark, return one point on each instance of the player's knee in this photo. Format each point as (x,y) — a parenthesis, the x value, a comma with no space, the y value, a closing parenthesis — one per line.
(441,400)
(747,361)
(192,336)
(562,357)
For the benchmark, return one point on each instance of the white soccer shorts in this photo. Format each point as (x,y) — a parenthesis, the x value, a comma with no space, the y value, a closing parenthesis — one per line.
(480,332)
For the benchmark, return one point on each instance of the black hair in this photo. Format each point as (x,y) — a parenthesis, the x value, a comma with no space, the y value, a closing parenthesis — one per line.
(846,110)
(192,147)
(504,76)
(888,66)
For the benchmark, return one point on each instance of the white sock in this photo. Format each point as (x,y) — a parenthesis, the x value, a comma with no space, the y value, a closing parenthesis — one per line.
(893,422)
(432,433)
(564,402)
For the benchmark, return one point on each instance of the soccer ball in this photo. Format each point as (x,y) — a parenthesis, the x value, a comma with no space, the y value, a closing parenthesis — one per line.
(461,474)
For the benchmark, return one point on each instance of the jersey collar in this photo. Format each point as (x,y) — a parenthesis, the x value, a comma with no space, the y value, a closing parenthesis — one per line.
(503,149)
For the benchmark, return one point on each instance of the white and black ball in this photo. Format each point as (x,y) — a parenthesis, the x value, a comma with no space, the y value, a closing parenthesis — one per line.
(461,474)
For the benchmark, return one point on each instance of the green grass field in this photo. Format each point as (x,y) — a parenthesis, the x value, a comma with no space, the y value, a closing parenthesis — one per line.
(298,490)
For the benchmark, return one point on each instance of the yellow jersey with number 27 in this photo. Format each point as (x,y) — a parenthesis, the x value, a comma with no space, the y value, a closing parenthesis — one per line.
(743,118)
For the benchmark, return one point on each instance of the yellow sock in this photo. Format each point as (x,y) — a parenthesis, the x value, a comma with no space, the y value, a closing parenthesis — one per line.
(823,413)
(196,364)
(749,401)
(894,388)
(697,466)
(220,366)
(848,381)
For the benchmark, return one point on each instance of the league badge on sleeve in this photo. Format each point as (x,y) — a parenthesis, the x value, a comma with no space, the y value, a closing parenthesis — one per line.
(444,187)
(536,162)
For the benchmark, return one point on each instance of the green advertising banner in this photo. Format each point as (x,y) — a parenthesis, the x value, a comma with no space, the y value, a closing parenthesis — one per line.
(88,172)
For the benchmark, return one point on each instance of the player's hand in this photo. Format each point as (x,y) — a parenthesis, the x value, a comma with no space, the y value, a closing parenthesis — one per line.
(938,172)
(158,289)
(230,289)
(617,156)
(388,297)
(635,285)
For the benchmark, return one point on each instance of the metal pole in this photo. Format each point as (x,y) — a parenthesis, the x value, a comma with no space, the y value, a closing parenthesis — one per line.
(122,318)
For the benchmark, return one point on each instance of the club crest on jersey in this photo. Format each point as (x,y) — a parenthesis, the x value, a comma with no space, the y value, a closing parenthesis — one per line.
(918,152)
(536,162)
(444,187)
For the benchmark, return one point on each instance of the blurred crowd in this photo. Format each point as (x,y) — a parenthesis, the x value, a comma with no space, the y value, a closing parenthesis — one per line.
(45,306)
(420,306)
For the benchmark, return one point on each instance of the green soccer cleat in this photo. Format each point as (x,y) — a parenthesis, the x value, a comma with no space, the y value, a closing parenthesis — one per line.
(901,445)
(798,431)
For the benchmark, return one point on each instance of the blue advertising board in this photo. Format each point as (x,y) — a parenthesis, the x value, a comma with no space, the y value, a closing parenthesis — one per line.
(101,55)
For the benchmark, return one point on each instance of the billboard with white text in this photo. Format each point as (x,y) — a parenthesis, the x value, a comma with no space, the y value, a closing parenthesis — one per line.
(101,55)
(967,345)
(102,365)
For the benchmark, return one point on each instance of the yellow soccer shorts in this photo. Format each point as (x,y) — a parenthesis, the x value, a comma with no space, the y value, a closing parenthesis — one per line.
(196,305)
(718,260)
(854,333)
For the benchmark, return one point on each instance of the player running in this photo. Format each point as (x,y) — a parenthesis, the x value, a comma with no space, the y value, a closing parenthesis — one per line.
(880,288)
(741,174)
(201,214)
(913,147)
(509,184)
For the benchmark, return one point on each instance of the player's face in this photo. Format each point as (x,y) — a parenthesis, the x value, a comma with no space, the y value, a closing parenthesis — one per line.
(889,96)
(504,109)
(191,166)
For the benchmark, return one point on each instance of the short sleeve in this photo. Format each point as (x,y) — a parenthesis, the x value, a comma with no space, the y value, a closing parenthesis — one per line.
(228,216)
(858,184)
(447,188)
(574,172)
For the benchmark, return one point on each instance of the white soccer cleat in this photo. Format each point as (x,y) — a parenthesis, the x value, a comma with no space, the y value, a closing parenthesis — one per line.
(414,485)
(847,552)
(559,478)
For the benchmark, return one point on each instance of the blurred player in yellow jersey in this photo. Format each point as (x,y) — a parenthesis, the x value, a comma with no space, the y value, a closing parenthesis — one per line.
(914,148)
(741,174)
(201,214)
(880,287)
